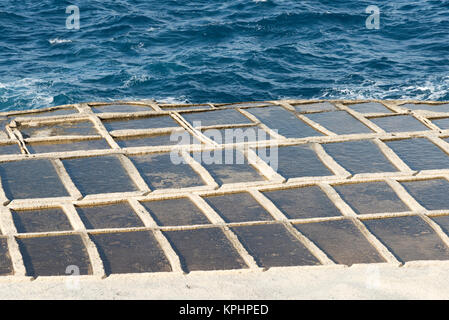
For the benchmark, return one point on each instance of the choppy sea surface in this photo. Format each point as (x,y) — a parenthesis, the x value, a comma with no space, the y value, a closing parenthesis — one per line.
(221,51)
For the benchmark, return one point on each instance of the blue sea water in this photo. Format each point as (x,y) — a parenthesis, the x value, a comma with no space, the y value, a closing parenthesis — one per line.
(221,51)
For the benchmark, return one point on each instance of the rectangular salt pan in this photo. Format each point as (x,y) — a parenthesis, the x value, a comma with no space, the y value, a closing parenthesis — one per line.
(409,238)
(238,207)
(116,215)
(237,135)
(227,166)
(339,122)
(51,255)
(165,139)
(341,240)
(294,161)
(248,104)
(427,107)
(369,107)
(78,128)
(130,252)
(362,156)
(420,154)
(216,117)
(205,249)
(159,171)
(284,122)
(371,197)
(50,113)
(42,220)
(272,245)
(140,123)
(121,108)
(175,212)
(31,179)
(93,175)
(314,107)
(432,193)
(442,123)
(303,203)
(67,146)
(400,123)
(181,108)
(6,149)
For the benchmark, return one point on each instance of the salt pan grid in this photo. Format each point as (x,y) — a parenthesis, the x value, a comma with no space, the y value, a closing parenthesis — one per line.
(92,185)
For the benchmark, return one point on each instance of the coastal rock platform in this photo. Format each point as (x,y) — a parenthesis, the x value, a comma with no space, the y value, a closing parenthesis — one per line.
(203,200)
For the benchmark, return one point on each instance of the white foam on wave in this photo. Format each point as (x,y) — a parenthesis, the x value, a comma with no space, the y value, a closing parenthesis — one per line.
(35,91)
(428,89)
(58,41)
(135,79)
(173,100)
(431,90)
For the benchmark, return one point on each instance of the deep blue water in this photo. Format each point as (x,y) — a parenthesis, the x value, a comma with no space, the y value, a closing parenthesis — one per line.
(221,51)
